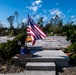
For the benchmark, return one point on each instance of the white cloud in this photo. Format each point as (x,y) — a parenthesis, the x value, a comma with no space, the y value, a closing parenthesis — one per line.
(72,16)
(49,10)
(5,24)
(37,17)
(53,17)
(74,20)
(35,5)
(36,2)
(33,8)
(44,10)
(24,20)
(45,18)
(69,10)
(56,11)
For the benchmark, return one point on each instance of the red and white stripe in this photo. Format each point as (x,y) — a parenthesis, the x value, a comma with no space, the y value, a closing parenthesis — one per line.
(35,33)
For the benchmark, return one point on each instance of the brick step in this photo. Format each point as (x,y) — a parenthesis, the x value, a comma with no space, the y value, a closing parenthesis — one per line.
(48,66)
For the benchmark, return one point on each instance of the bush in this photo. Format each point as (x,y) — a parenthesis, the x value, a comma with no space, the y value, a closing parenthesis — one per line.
(21,38)
(73,59)
(2,53)
(71,35)
(71,48)
(9,49)
(62,34)
(50,34)
(74,56)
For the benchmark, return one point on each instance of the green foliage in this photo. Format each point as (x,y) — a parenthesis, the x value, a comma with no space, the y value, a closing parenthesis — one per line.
(71,35)
(2,46)
(62,34)
(9,49)
(71,48)
(74,56)
(21,38)
(73,59)
(50,34)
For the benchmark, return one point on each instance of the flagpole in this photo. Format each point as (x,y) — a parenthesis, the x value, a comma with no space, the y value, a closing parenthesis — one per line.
(34,30)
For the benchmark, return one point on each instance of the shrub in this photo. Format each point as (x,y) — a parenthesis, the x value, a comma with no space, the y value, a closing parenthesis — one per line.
(71,48)
(73,59)
(71,35)
(50,34)
(74,56)
(9,49)
(2,53)
(62,34)
(21,38)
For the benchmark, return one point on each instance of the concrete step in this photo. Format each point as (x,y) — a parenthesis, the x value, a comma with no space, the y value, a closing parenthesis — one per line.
(47,66)
(44,48)
(57,56)
(31,72)
(35,47)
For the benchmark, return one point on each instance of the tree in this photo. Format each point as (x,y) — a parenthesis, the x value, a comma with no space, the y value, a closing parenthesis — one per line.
(16,14)
(40,22)
(22,28)
(10,20)
(1,24)
(56,19)
(55,25)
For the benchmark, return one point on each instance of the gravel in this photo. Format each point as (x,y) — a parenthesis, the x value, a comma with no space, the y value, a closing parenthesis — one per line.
(70,70)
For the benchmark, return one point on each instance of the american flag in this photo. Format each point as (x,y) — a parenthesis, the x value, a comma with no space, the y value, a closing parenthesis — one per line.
(34,30)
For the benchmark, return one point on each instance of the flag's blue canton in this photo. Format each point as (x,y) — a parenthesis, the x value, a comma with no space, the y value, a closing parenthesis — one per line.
(34,30)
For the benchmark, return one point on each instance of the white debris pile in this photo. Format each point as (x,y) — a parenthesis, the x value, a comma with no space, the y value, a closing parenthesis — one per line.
(5,38)
(52,42)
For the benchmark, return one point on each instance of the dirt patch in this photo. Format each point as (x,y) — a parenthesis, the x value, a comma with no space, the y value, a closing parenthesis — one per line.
(10,69)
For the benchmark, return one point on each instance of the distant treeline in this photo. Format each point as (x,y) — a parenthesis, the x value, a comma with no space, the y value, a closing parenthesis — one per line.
(55,26)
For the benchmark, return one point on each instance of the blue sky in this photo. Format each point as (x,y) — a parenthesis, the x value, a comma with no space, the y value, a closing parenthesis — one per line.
(41,8)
